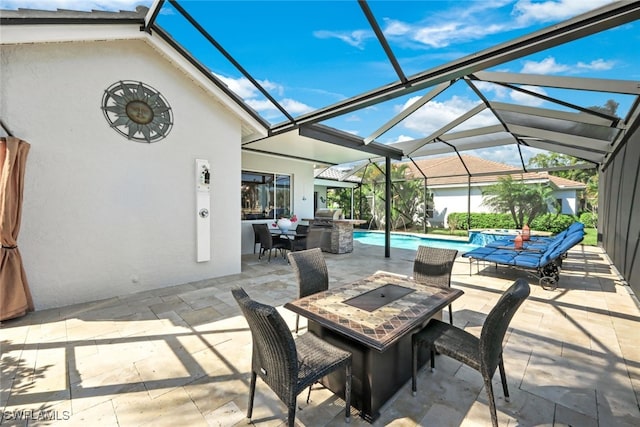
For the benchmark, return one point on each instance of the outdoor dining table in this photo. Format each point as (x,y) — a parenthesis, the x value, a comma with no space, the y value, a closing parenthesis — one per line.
(374,318)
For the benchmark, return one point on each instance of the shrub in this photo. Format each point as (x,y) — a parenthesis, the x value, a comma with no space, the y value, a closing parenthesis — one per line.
(548,222)
(552,222)
(589,219)
(480,220)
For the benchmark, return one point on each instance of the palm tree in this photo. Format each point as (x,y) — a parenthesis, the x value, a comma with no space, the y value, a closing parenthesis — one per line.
(523,201)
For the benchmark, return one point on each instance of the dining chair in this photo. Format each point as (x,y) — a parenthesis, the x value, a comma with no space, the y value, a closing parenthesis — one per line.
(256,237)
(286,364)
(433,266)
(311,272)
(268,242)
(299,242)
(483,354)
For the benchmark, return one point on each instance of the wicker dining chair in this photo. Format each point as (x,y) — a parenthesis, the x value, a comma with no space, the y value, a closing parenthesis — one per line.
(268,242)
(483,354)
(256,236)
(433,266)
(286,364)
(311,272)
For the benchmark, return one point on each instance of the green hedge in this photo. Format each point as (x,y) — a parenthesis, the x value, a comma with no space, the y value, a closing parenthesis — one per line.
(458,220)
(589,219)
(549,222)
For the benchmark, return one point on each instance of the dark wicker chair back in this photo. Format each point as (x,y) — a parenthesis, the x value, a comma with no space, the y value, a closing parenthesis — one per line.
(433,266)
(267,242)
(496,324)
(285,364)
(274,356)
(311,272)
(302,229)
(483,354)
(256,236)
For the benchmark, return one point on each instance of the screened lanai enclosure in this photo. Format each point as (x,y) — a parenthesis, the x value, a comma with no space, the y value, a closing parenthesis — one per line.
(526,87)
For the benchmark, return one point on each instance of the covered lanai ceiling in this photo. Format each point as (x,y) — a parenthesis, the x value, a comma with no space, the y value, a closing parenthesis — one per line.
(522,93)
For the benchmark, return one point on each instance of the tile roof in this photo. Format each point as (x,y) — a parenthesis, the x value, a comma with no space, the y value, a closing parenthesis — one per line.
(450,171)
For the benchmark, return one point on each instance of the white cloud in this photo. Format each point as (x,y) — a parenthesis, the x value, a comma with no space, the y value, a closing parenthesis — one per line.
(500,91)
(596,64)
(527,12)
(248,92)
(242,86)
(546,66)
(354,38)
(262,105)
(435,115)
(440,35)
(396,28)
(295,107)
(550,66)
(402,138)
(526,99)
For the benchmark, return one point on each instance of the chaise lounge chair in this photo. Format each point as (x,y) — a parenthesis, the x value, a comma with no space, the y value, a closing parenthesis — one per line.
(544,256)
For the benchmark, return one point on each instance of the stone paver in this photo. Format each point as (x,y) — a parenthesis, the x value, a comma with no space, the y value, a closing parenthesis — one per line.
(181,355)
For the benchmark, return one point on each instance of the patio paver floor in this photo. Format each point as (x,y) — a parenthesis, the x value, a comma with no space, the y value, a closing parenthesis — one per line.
(181,355)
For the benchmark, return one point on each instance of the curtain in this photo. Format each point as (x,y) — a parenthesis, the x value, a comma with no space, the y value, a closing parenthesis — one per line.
(15,297)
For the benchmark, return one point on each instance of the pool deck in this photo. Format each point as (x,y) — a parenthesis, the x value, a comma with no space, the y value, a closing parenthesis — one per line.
(181,355)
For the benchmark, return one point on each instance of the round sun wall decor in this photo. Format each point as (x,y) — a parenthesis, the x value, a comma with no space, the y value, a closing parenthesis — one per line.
(137,111)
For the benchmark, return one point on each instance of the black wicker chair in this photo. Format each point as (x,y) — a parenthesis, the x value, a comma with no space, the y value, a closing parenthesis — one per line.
(256,236)
(268,242)
(433,266)
(311,272)
(483,354)
(299,243)
(285,364)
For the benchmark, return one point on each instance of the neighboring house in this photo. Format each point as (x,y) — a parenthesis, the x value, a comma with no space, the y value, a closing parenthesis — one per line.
(453,191)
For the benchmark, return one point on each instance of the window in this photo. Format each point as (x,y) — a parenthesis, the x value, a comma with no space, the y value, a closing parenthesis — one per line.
(265,195)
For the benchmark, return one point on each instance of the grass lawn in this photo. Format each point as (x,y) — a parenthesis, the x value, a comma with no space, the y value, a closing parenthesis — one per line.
(590,237)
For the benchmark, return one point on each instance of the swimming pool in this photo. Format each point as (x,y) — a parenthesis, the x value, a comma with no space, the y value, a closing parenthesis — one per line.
(405,241)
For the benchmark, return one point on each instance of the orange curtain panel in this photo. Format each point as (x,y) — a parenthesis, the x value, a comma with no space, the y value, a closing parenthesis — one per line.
(15,297)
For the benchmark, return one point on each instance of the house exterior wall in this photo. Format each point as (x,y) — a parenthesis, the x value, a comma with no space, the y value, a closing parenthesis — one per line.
(104,216)
(456,199)
(569,201)
(619,211)
(301,176)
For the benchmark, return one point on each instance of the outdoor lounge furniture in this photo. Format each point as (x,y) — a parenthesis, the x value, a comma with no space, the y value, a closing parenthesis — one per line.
(538,242)
(544,257)
(483,354)
(286,364)
(311,271)
(433,266)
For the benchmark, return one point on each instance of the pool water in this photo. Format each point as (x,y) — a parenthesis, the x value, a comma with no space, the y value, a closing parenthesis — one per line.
(404,241)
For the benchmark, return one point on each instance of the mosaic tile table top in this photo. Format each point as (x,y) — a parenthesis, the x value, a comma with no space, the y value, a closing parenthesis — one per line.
(377,328)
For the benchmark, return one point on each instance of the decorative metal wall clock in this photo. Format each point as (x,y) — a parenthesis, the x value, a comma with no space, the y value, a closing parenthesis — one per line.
(137,111)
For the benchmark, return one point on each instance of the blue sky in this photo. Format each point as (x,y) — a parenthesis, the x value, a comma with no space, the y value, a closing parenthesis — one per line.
(311,54)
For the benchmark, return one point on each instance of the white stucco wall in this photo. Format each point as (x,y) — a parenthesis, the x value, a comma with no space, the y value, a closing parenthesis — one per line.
(104,216)
(455,199)
(569,201)
(301,176)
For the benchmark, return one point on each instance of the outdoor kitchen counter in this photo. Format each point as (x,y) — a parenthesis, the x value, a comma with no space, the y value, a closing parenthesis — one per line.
(341,235)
